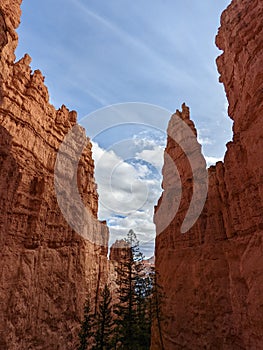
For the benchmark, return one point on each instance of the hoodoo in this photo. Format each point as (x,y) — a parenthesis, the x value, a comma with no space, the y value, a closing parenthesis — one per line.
(46,268)
(213,274)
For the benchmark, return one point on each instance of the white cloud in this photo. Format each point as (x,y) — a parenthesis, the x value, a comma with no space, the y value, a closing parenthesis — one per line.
(212,160)
(203,136)
(128,192)
(129,188)
(120,187)
(140,222)
(153,156)
(204,140)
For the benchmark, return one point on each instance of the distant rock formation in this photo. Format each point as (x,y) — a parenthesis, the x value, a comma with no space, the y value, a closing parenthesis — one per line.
(46,268)
(119,251)
(213,274)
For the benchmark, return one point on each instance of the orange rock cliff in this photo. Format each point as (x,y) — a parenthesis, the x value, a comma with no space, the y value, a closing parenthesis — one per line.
(46,268)
(213,274)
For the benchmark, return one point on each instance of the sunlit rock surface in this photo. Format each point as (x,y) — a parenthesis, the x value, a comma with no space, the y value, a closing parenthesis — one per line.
(46,268)
(213,274)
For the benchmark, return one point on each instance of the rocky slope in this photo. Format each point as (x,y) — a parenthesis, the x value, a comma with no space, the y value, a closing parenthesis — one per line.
(213,274)
(46,268)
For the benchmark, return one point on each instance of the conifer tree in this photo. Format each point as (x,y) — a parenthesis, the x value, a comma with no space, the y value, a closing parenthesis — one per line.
(144,319)
(104,323)
(86,334)
(139,301)
(130,275)
(156,300)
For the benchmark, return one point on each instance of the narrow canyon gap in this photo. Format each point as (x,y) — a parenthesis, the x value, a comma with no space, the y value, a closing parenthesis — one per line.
(212,275)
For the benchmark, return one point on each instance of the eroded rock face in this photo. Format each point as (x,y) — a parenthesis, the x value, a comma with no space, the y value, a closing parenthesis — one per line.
(3,31)
(119,251)
(46,268)
(213,275)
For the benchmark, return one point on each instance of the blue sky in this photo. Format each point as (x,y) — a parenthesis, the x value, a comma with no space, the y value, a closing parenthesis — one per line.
(99,53)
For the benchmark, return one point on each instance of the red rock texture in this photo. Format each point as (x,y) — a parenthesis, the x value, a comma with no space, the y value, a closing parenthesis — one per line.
(46,268)
(119,251)
(213,275)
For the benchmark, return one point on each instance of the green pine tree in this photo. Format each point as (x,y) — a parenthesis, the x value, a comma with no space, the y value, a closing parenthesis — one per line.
(156,301)
(86,333)
(129,309)
(144,315)
(104,322)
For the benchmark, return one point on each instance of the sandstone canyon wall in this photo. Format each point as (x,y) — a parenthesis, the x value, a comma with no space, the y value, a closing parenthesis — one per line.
(213,274)
(46,268)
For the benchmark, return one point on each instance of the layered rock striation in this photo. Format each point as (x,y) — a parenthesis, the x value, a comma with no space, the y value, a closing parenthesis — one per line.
(213,274)
(46,268)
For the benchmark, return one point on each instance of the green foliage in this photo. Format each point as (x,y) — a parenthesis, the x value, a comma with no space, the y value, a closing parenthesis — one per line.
(133,318)
(104,322)
(86,334)
(138,307)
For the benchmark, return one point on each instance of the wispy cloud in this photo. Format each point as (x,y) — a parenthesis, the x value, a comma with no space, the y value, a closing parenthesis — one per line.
(99,53)
(168,69)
